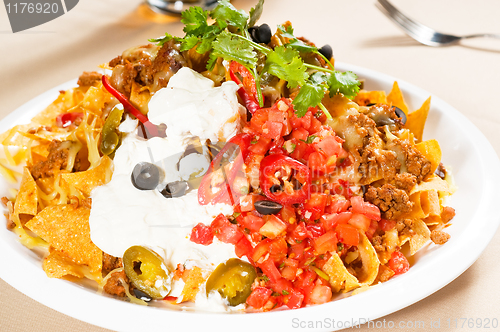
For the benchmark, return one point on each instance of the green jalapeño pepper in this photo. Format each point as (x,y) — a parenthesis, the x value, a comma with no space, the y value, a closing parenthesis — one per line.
(109,137)
(233,280)
(147,271)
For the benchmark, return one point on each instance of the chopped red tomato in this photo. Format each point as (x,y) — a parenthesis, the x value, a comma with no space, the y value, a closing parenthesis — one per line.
(386,225)
(295,300)
(360,221)
(330,221)
(202,234)
(270,270)
(273,227)
(259,297)
(326,242)
(348,234)
(225,231)
(252,222)
(243,248)
(398,263)
(368,209)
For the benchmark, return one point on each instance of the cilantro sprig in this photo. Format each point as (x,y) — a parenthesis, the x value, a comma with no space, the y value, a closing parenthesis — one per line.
(228,38)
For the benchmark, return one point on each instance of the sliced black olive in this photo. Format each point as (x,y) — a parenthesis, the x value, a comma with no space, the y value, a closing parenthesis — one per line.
(276,188)
(363,189)
(326,51)
(261,34)
(400,114)
(267,207)
(145,176)
(141,295)
(175,189)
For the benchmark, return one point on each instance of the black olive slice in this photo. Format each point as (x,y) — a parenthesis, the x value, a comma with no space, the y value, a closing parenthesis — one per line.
(400,114)
(141,295)
(145,176)
(175,189)
(326,51)
(260,34)
(267,207)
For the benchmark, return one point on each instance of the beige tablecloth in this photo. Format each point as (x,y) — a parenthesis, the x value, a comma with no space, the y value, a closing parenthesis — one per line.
(467,77)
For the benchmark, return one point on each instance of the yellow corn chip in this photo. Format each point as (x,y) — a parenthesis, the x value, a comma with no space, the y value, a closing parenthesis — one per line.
(86,181)
(416,211)
(416,120)
(432,220)
(192,285)
(339,276)
(139,97)
(421,236)
(369,259)
(431,151)
(27,198)
(429,200)
(67,229)
(364,97)
(56,265)
(64,102)
(395,98)
(432,183)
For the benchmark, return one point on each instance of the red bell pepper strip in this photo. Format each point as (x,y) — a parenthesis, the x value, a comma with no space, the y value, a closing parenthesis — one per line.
(248,89)
(222,191)
(276,163)
(151,128)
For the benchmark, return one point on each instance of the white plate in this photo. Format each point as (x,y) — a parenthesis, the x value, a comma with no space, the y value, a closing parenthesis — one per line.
(464,148)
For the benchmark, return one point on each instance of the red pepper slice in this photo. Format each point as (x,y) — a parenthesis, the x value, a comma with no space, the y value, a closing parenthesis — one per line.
(67,119)
(151,128)
(248,91)
(222,191)
(276,163)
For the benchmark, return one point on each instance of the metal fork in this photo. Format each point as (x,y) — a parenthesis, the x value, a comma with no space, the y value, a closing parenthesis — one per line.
(422,33)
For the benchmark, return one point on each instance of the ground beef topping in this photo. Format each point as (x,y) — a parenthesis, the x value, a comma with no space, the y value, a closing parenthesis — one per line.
(109,263)
(447,214)
(88,78)
(114,285)
(439,237)
(392,202)
(56,160)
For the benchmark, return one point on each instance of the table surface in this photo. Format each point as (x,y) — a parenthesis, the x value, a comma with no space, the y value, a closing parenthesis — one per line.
(467,77)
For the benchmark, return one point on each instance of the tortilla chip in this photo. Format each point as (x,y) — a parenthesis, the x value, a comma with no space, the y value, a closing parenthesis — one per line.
(369,259)
(192,285)
(416,211)
(420,238)
(432,220)
(64,102)
(432,183)
(431,151)
(340,278)
(67,229)
(27,198)
(395,98)
(56,265)
(416,120)
(139,97)
(96,98)
(429,200)
(86,181)
(364,97)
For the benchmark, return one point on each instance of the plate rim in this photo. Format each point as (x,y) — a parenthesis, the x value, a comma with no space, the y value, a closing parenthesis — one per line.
(41,287)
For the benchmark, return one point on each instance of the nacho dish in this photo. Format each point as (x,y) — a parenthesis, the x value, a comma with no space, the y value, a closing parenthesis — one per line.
(231,170)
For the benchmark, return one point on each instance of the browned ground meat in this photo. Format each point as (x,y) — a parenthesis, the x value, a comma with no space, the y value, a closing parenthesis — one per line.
(377,242)
(114,284)
(405,181)
(109,263)
(404,226)
(441,171)
(392,201)
(88,78)
(447,214)
(439,237)
(56,160)
(115,61)
(416,162)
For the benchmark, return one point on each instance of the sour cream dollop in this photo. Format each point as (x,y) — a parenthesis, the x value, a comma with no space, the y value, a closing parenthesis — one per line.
(123,216)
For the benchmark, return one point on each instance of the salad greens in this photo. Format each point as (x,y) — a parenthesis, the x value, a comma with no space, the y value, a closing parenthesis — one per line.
(228,38)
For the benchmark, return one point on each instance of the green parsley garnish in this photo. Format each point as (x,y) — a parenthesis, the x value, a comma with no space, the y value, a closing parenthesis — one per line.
(228,38)
(284,292)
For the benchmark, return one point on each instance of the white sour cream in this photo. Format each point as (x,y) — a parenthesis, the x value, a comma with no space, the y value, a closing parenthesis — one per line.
(123,216)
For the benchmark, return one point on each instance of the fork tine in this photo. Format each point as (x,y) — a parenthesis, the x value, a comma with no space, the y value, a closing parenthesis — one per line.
(411,27)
